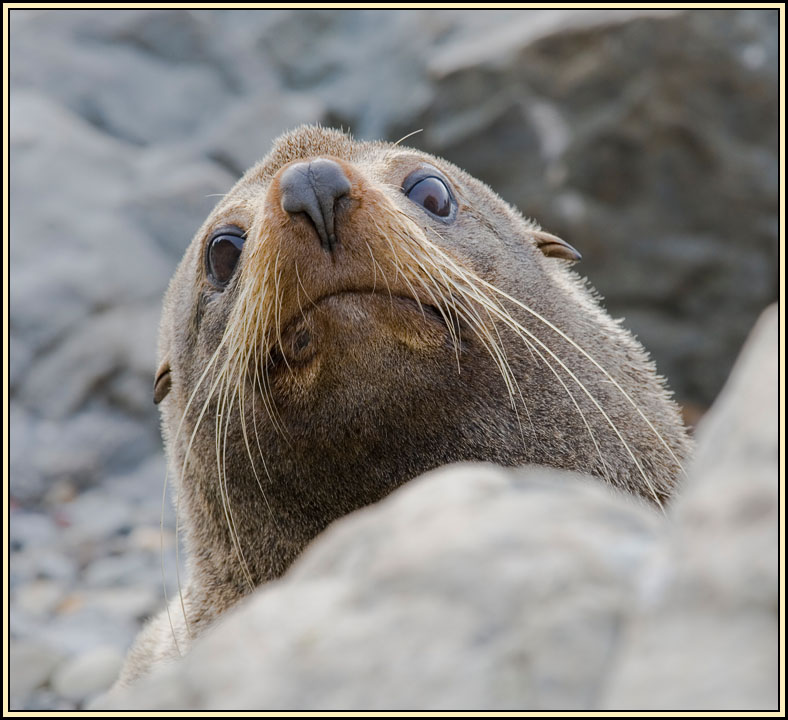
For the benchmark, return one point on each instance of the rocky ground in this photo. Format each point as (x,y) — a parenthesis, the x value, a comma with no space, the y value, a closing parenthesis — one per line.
(648,139)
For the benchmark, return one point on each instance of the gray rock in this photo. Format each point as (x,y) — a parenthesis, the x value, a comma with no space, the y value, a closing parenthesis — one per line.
(176,36)
(111,355)
(115,570)
(30,667)
(20,358)
(243,133)
(705,636)
(221,43)
(345,59)
(87,282)
(39,597)
(46,699)
(87,674)
(72,256)
(31,530)
(137,601)
(43,563)
(178,189)
(80,626)
(79,450)
(138,96)
(473,587)
(141,484)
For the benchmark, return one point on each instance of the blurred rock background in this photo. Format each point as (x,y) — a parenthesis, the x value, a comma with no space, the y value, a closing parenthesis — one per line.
(647,139)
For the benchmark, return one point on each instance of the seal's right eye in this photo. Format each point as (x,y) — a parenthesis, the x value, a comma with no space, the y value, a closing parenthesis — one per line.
(224,250)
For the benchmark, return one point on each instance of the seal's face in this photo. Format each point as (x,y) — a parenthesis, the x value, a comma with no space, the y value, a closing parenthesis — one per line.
(353,314)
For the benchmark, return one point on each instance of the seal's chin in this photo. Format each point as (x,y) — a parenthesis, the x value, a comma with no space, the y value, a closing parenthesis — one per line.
(359,321)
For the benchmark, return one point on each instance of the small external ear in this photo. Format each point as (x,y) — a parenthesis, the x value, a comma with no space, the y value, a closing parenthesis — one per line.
(552,246)
(162,383)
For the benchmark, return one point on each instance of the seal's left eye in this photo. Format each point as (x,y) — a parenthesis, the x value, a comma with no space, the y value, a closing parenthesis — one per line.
(433,195)
(224,250)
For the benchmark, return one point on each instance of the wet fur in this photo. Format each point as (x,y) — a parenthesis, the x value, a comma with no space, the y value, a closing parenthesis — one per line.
(270,440)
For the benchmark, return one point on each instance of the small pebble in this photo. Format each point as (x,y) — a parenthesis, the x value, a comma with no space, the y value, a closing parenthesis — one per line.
(87,674)
(151,539)
(60,493)
(32,530)
(115,570)
(50,563)
(94,516)
(128,602)
(31,665)
(70,603)
(45,699)
(39,597)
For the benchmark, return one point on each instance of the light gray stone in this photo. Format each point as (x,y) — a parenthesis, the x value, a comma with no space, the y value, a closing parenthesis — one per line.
(30,667)
(134,601)
(351,62)
(94,517)
(31,530)
(61,251)
(472,587)
(705,634)
(177,191)
(78,450)
(115,571)
(20,356)
(177,36)
(243,133)
(78,627)
(96,357)
(46,699)
(137,96)
(48,563)
(39,597)
(88,673)
(87,281)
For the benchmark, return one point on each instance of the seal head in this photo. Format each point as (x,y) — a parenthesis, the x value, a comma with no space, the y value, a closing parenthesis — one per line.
(353,314)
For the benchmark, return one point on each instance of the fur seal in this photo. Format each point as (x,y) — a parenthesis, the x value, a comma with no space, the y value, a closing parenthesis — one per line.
(353,314)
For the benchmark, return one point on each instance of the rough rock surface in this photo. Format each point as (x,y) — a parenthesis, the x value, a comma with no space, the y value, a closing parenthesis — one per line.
(475,587)
(705,635)
(647,138)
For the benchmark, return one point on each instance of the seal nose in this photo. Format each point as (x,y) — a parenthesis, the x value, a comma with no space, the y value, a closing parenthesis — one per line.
(313,187)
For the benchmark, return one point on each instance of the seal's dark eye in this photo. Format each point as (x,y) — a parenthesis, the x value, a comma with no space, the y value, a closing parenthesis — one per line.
(224,249)
(433,195)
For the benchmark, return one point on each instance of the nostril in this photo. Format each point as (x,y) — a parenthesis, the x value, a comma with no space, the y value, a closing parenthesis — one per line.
(313,187)
(322,234)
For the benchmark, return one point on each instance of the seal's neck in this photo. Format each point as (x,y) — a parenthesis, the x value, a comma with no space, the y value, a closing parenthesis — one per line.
(240,542)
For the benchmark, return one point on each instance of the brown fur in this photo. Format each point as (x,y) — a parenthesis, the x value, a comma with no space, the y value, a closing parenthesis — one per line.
(382,389)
